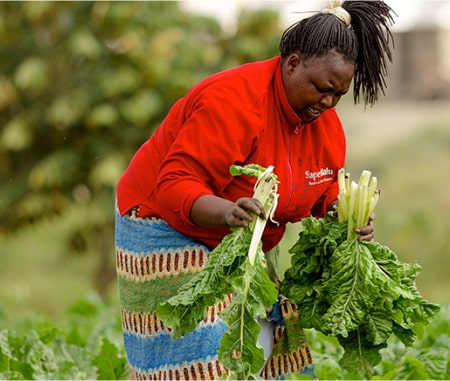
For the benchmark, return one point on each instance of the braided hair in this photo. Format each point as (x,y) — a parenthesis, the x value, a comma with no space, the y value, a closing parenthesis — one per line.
(366,42)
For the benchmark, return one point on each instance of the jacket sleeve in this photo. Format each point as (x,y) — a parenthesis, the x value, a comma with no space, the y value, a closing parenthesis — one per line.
(216,132)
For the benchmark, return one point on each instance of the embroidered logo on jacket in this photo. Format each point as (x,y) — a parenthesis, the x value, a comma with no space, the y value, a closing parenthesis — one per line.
(318,177)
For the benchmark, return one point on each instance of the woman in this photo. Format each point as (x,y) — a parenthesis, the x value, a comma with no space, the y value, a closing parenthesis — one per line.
(177,199)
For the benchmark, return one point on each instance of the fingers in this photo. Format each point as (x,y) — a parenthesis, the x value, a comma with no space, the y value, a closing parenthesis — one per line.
(367,237)
(251,205)
(366,233)
(240,214)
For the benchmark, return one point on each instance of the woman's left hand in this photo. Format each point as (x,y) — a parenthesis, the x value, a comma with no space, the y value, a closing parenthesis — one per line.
(367,233)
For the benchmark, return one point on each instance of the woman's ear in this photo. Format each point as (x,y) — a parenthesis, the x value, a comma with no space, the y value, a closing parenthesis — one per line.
(292,61)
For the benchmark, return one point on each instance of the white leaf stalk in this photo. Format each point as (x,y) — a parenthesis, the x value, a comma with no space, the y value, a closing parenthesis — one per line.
(266,191)
(356,201)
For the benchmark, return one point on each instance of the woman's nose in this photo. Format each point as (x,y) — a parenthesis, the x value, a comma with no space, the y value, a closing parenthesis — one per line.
(327,100)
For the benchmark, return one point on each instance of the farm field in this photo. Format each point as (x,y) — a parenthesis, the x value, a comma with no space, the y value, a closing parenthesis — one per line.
(47,300)
(87,345)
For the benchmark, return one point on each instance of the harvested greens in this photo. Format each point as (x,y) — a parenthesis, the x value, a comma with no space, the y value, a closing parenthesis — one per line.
(236,266)
(356,291)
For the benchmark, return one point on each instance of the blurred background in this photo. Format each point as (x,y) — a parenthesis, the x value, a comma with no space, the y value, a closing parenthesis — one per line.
(84,84)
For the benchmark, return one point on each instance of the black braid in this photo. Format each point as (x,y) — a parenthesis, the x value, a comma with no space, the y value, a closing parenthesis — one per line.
(366,43)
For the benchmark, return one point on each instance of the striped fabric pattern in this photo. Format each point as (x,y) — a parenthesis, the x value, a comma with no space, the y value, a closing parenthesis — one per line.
(152,262)
(291,352)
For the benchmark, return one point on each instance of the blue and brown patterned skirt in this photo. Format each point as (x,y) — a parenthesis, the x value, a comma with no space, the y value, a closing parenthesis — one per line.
(152,261)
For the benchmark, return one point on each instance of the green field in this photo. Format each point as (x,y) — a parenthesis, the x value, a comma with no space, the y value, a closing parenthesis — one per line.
(410,155)
(87,345)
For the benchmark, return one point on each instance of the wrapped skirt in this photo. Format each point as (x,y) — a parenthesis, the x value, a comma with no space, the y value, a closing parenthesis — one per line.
(152,261)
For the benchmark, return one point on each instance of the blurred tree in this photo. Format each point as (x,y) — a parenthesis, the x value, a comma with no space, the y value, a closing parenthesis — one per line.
(83,84)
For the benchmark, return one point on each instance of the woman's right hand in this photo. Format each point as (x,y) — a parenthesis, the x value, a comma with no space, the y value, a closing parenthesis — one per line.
(211,210)
(239,213)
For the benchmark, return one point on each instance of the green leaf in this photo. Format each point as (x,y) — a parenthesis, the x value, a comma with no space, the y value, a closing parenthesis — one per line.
(184,311)
(253,170)
(360,356)
(5,348)
(123,80)
(32,74)
(351,289)
(436,362)
(102,115)
(110,366)
(56,169)
(412,369)
(255,293)
(377,324)
(84,43)
(39,356)
(16,134)
(239,349)
(141,107)
(107,171)
(69,109)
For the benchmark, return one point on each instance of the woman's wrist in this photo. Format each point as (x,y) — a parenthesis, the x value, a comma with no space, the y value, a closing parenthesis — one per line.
(209,210)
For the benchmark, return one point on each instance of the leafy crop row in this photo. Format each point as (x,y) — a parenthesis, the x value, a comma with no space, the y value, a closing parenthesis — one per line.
(87,345)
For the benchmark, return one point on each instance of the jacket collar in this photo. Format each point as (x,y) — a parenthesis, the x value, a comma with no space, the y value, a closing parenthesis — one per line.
(281,98)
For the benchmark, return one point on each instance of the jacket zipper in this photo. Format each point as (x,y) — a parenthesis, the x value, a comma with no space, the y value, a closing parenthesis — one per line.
(291,174)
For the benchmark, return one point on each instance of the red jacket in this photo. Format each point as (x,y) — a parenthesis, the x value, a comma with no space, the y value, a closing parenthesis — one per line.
(238,116)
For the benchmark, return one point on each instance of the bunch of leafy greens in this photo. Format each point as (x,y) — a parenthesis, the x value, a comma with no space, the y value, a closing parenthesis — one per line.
(356,291)
(236,266)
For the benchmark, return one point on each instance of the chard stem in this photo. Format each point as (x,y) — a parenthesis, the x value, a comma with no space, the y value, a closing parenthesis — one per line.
(351,210)
(265,192)
(362,205)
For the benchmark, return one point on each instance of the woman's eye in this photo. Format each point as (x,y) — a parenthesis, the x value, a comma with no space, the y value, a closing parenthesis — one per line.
(321,90)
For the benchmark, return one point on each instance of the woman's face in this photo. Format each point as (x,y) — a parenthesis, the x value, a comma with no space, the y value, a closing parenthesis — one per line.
(316,84)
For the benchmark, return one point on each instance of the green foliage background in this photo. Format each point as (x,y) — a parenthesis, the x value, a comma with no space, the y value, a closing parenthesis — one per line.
(85,83)
(82,86)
